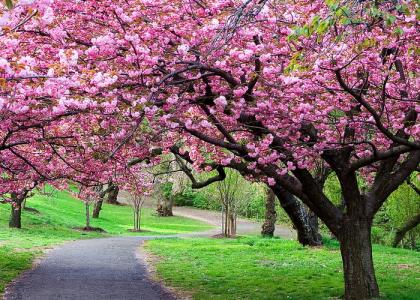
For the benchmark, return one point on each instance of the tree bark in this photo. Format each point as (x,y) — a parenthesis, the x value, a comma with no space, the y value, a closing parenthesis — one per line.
(98,203)
(226,232)
(232,225)
(16,212)
(136,220)
(97,208)
(314,224)
(15,217)
(270,214)
(87,215)
(164,207)
(410,224)
(228,222)
(356,252)
(307,233)
(113,195)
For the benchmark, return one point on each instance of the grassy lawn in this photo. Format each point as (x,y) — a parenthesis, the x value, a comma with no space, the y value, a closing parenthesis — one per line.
(258,268)
(59,214)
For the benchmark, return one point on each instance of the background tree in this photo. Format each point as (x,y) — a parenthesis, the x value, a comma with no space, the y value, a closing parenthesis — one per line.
(401,232)
(113,194)
(136,201)
(168,182)
(405,217)
(88,196)
(16,209)
(269,224)
(138,181)
(101,193)
(228,195)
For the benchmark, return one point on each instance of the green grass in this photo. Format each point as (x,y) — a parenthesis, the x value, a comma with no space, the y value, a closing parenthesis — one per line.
(12,263)
(59,214)
(258,268)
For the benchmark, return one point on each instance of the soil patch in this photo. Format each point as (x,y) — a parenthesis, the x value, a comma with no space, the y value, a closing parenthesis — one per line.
(90,229)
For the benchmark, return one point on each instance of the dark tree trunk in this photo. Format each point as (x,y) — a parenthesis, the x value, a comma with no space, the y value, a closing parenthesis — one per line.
(270,214)
(113,195)
(98,203)
(164,207)
(399,235)
(97,208)
(15,217)
(16,212)
(356,252)
(314,224)
(306,232)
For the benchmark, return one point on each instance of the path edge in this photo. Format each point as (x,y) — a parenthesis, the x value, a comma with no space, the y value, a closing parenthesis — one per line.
(38,259)
(149,260)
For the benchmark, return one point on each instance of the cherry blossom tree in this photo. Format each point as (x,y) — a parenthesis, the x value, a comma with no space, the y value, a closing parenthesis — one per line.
(53,126)
(296,84)
(272,89)
(138,181)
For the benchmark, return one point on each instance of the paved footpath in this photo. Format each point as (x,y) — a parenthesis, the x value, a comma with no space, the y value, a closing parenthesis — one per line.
(243,226)
(89,269)
(107,268)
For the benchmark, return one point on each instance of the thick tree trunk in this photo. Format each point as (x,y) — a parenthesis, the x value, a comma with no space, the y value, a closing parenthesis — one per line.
(270,214)
(164,207)
(113,195)
(15,217)
(314,224)
(16,212)
(399,235)
(97,208)
(98,203)
(356,252)
(307,233)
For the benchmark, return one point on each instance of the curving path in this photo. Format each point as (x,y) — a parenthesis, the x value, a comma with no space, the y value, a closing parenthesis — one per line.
(243,226)
(89,269)
(107,268)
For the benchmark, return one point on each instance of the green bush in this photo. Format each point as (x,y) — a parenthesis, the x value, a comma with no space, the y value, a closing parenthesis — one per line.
(401,206)
(380,235)
(255,208)
(189,197)
(167,189)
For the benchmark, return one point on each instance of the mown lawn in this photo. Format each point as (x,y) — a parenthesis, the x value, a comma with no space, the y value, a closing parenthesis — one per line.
(263,268)
(59,213)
